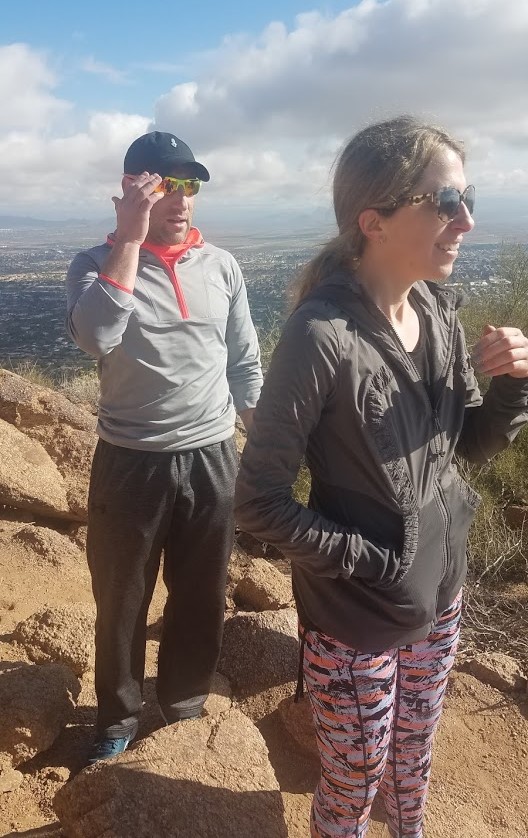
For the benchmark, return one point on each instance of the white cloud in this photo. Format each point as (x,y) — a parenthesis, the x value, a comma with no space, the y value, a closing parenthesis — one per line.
(465,65)
(26,85)
(106,71)
(71,174)
(267,115)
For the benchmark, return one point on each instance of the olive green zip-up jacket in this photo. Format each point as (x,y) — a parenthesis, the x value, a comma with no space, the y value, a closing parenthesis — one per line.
(380,552)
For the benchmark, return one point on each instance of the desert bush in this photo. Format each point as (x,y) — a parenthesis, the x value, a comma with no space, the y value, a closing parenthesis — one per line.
(81,388)
(268,337)
(496,550)
(506,305)
(34,372)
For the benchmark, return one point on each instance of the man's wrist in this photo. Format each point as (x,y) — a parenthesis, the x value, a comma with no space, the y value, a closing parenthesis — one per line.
(125,243)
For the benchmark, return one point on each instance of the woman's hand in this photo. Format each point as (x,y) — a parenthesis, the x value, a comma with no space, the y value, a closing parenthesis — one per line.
(502,351)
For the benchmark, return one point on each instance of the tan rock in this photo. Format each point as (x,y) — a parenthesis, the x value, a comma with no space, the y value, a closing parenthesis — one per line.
(29,479)
(498,670)
(10,780)
(50,547)
(260,650)
(208,777)
(298,721)
(27,405)
(238,564)
(64,634)
(78,533)
(263,588)
(72,450)
(66,431)
(261,705)
(37,702)
(240,440)
(219,699)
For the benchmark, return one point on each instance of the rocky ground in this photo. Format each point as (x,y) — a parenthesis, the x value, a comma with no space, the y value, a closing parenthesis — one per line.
(248,768)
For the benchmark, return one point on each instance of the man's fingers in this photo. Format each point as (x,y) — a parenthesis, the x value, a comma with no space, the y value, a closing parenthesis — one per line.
(143,184)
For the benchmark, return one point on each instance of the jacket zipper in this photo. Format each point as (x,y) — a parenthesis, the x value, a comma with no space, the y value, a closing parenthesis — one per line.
(182,304)
(409,364)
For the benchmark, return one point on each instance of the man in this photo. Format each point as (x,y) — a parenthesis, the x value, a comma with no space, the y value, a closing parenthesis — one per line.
(166,314)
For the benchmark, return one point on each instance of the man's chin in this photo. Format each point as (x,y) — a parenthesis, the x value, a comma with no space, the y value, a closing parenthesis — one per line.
(172,236)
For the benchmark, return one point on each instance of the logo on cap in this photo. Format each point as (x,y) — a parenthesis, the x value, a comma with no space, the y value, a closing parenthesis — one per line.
(174,144)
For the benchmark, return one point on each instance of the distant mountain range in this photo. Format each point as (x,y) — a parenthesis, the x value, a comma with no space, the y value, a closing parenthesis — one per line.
(500,218)
(17,222)
(251,226)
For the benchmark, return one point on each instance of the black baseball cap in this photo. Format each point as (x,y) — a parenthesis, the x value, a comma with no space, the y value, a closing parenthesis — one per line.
(162,153)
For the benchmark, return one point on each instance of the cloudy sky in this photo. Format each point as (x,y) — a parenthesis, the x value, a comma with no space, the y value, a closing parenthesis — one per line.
(265,94)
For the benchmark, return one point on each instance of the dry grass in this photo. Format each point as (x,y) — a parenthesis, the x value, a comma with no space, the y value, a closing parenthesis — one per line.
(79,387)
(82,389)
(495,619)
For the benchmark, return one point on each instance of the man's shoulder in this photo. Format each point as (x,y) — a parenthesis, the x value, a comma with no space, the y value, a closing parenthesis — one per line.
(97,253)
(214,252)
(89,259)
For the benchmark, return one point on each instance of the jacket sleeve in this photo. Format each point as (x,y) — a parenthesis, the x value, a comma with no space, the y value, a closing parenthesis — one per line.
(299,385)
(97,311)
(491,421)
(244,373)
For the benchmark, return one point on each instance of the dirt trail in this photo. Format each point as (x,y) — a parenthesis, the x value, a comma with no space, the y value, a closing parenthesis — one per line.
(480,769)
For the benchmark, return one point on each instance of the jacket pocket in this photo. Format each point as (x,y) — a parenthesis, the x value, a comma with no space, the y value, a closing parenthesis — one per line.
(411,598)
(462,502)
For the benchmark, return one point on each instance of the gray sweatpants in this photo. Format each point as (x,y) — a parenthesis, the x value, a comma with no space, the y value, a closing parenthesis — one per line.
(140,504)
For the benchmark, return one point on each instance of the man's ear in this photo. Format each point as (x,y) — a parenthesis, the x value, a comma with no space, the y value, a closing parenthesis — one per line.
(371,225)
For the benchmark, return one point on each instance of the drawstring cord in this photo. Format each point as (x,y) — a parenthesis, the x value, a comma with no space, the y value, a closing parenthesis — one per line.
(299,692)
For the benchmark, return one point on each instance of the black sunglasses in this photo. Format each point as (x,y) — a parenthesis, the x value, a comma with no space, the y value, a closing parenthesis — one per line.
(447,200)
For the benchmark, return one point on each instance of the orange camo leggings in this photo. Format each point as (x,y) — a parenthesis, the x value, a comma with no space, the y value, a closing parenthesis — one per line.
(375,717)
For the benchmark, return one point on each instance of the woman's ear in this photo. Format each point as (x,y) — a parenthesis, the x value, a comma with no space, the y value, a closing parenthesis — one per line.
(371,225)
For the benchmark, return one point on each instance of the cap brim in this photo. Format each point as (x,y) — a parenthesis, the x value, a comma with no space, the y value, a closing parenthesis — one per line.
(200,171)
(188,168)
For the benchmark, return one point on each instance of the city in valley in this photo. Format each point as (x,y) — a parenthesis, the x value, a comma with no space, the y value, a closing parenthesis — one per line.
(33,264)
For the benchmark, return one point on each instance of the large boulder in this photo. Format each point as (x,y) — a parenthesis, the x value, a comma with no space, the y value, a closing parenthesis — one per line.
(219,700)
(260,650)
(498,670)
(66,431)
(29,406)
(72,451)
(36,704)
(209,778)
(297,718)
(64,634)
(47,547)
(263,588)
(29,479)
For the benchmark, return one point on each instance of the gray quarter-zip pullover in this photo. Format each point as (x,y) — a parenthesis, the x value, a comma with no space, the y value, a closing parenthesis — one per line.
(177,357)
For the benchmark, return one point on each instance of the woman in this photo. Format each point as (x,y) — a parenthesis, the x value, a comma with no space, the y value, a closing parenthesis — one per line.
(372,383)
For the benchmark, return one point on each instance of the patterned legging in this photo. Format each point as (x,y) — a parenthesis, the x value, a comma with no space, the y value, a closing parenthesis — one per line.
(375,716)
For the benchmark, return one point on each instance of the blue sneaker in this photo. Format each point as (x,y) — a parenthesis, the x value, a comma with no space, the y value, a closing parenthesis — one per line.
(106,748)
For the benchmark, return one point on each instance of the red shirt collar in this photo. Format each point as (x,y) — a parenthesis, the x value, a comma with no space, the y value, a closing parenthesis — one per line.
(174,252)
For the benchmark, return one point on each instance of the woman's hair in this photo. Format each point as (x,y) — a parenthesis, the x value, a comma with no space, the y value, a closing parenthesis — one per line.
(379,165)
